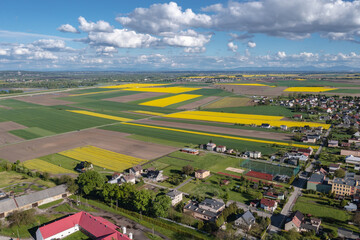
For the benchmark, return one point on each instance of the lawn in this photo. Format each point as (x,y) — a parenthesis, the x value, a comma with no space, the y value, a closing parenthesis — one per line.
(229,102)
(50,204)
(77,236)
(65,208)
(14,178)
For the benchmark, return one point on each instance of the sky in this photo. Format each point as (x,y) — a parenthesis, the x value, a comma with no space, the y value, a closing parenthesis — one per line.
(146,35)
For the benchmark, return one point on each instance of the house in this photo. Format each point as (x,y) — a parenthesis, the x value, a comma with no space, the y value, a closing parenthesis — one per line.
(308,150)
(333,143)
(115,178)
(202,174)
(352,160)
(283,127)
(210,146)
(25,202)
(333,167)
(311,225)
(246,221)
(190,151)
(136,170)
(268,204)
(175,196)
(274,196)
(250,154)
(351,207)
(309,139)
(128,179)
(154,175)
(265,125)
(208,210)
(254,204)
(295,221)
(221,148)
(298,116)
(84,166)
(96,227)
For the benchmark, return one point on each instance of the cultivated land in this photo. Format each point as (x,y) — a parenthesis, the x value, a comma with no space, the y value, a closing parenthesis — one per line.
(46,99)
(230,102)
(231,131)
(198,103)
(5,136)
(109,140)
(135,97)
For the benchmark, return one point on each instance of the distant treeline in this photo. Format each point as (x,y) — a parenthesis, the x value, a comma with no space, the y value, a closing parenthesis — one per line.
(10,91)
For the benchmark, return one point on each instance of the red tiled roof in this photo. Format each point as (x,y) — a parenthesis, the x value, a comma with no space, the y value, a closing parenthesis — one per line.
(98,227)
(267,202)
(260,175)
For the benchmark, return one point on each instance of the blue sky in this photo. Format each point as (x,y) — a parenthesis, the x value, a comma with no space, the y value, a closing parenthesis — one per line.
(179,35)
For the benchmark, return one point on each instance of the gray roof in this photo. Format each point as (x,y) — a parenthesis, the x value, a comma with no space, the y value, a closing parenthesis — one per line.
(7,204)
(174,193)
(212,203)
(348,180)
(41,195)
(248,218)
(193,206)
(315,177)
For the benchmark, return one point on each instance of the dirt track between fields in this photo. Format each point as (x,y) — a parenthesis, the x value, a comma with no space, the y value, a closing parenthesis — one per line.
(134,97)
(109,140)
(198,103)
(223,130)
(46,99)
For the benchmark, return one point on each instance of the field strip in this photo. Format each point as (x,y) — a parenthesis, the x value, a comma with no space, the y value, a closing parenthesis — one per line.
(163,89)
(308,89)
(163,102)
(149,113)
(136,85)
(90,93)
(43,166)
(245,84)
(237,170)
(100,115)
(222,136)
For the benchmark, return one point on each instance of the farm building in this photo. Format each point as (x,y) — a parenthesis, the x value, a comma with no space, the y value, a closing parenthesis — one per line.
(25,202)
(190,150)
(96,227)
(317,183)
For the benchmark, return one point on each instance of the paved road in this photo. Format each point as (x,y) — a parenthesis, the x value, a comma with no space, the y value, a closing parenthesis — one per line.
(182,184)
(246,208)
(323,143)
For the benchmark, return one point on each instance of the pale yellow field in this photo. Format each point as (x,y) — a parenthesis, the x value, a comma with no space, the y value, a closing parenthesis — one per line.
(103,158)
(245,84)
(163,89)
(43,166)
(137,85)
(300,79)
(248,119)
(163,102)
(150,113)
(100,115)
(254,75)
(308,89)
(222,136)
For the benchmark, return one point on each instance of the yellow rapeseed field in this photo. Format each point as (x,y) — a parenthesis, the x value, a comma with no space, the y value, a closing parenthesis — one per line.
(163,102)
(137,85)
(163,89)
(103,158)
(222,136)
(308,89)
(248,119)
(150,113)
(246,84)
(43,166)
(100,115)
(300,79)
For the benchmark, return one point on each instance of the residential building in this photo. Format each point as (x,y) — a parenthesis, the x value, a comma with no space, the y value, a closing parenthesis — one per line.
(128,179)
(136,170)
(352,160)
(208,210)
(250,154)
(115,178)
(84,166)
(245,221)
(333,167)
(96,227)
(210,146)
(308,151)
(175,196)
(221,148)
(202,174)
(268,204)
(295,221)
(274,196)
(333,143)
(31,200)
(346,186)
(154,175)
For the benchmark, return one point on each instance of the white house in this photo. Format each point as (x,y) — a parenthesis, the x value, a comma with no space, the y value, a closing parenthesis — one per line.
(352,160)
(175,196)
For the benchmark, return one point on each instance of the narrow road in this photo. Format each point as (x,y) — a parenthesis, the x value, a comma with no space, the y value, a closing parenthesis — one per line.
(182,184)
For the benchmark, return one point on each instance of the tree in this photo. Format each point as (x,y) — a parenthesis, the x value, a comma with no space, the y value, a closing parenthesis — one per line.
(90,181)
(200,225)
(225,197)
(160,206)
(340,173)
(140,200)
(188,169)
(22,217)
(343,203)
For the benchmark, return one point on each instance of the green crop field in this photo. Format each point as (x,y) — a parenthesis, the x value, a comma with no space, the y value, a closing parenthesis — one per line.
(259,110)
(349,90)
(191,139)
(229,102)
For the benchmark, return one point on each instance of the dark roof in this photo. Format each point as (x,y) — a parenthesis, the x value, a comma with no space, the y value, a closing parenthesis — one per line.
(193,206)
(212,203)
(173,193)
(137,168)
(316,178)
(298,215)
(248,218)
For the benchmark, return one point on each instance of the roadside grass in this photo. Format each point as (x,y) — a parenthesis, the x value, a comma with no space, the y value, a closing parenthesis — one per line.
(50,204)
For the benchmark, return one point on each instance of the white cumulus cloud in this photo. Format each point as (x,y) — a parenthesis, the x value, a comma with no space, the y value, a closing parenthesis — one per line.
(67,28)
(232,46)
(99,26)
(251,44)
(188,38)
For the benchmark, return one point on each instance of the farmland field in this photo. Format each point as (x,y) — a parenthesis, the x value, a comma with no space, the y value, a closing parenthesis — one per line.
(100,115)
(103,158)
(163,89)
(229,102)
(43,166)
(308,89)
(163,102)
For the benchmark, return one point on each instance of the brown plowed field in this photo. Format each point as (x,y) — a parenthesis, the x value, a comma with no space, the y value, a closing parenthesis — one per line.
(198,103)
(255,90)
(134,97)
(5,137)
(223,130)
(109,140)
(46,99)
(9,126)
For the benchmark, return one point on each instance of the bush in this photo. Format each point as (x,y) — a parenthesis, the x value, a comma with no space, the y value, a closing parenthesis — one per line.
(21,217)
